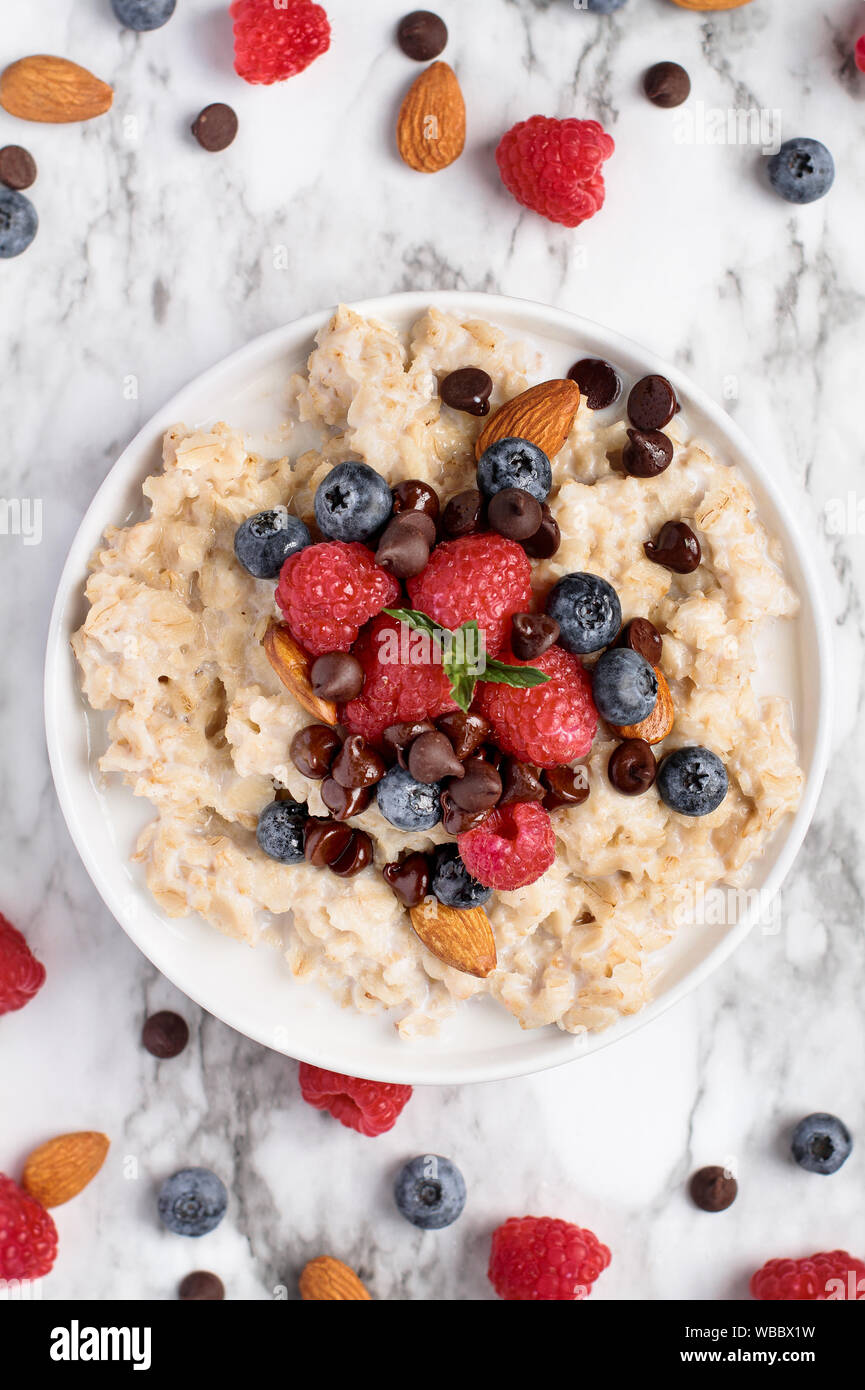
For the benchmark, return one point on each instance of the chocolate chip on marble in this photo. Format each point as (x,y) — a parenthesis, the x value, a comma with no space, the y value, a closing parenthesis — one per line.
(463,515)
(632,768)
(344,802)
(431,758)
(675,547)
(337,676)
(598,381)
(313,749)
(568,786)
(467,389)
(215,127)
(357,764)
(416,496)
(532,634)
(647,453)
(652,403)
(17,167)
(644,638)
(409,878)
(514,513)
(521,782)
(201,1287)
(546,540)
(667,84)
(422,35)
(713,1189)
(165,1034)
(466,731)
(404,549)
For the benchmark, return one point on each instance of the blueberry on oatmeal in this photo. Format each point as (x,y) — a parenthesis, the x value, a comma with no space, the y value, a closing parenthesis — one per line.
(264,542)
(515,463)
(692,781)
(280,831)
(587,610)
(624,686)
(452,883)
(352,502)
(406,803)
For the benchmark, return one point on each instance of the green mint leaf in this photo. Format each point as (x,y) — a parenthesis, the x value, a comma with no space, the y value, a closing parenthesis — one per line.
(520,677)
(413,617)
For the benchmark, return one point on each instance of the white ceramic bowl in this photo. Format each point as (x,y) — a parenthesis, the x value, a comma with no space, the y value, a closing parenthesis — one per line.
(254,990)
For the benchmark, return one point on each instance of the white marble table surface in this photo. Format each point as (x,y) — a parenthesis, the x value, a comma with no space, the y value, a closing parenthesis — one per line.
(153,261)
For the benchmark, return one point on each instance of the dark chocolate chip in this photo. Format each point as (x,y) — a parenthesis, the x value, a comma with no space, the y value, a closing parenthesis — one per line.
(713,1189)
(456,821)
(480,788)
(201,1287)
(546,541)
(356,855)
(647,453)
(324,840)
(667,84)
(337,676)
(642,637)
(409,878)
(431,758)
(344,802)
(514,514)
(422,35)
(532,634)
(632,768)
(313,749)
(17,167)
(403,550)
(652,403)
(467,389)
(465,731)
(463,515)
(215,127)
(398,737)
(165,1034)
(675,547)
(357,764)
(598,381)
(415,496)
(568,786)
(521,782)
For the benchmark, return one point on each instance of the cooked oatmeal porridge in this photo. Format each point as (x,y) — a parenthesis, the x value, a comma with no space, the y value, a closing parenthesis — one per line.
(202,726)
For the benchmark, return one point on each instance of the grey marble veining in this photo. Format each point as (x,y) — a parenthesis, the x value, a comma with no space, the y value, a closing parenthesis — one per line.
(153,261)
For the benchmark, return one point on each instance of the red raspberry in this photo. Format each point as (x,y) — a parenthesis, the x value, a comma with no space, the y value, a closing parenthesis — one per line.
(809,1280)
(28,1236)
(513,847)
(554,167)
(859,53)
(537,1257)
(370,1107)
(394,691)
(484,577)
(327,592)
(21,974)
(274,42)
(550,724)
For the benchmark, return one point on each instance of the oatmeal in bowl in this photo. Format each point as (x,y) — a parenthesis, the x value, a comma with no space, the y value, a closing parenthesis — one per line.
(457,701)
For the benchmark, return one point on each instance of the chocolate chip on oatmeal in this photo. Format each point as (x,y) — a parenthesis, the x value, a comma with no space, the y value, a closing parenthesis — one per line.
(409,878)
(165,1034)
(652,403)
(642,637)
(357,764)
(455,821)
(467,389)
(667,84)
(568,786)
(344,802)
(416,496)
(404,548)
(532,634)
(356,855)
(431,758)
(598,381)
(521,782)
(201,1287)
(397,738)
(546,540)
(324,839)
(313,749)
(713,1189)
(422,35)
(463,515)
(17,167)
(647,453)
(675,547)
(514,514)
(480,788)
(632,768)
(466,731)
(215,127)
(337,676)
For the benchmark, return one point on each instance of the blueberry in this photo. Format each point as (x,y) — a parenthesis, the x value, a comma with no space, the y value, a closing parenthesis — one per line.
(587,610)
(264,542)
(352,502)
(515,463)
(692,781)
(407,804)
(430,1192)
(192,1202)
(280,831)
(451,881)
(802,171)
(601,6)
(624,686)
(143,14)
(18,223)
(821,1143)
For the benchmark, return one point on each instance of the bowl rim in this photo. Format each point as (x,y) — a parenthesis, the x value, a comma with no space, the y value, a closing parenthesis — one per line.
(552,1051)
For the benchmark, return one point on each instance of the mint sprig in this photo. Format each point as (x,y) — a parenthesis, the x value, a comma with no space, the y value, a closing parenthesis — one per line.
(463,674)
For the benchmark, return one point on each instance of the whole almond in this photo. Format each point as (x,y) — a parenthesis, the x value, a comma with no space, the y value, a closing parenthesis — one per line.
(656,725)
(711,4)
(431,129)
(292,665)
(327,1279)
(42,88)
(460,937)
(543,414)
(60,1169)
